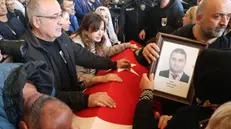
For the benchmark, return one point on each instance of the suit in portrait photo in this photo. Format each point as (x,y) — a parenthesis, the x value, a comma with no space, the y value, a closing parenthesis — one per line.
(177,62)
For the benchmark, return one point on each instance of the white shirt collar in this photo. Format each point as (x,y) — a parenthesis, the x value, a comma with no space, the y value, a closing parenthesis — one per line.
(178,76)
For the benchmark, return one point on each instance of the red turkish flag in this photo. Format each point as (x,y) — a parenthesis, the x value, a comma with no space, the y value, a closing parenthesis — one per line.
(125,95)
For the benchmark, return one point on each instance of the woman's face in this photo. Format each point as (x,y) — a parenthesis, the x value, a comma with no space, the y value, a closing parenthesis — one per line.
(186,19)
(66,22)
(97,35)
(104,15)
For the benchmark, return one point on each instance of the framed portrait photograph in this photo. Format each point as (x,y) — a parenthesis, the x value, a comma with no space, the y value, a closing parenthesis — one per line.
(173,71)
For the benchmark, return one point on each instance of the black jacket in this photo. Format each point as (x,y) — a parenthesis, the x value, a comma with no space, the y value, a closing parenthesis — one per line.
(185,118)
(74,54)
(187,32)
(211,82)
(172,13)
(132,18)
(18,14)
(13,29)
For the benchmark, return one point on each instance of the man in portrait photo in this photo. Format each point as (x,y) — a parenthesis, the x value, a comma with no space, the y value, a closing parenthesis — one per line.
(177,62)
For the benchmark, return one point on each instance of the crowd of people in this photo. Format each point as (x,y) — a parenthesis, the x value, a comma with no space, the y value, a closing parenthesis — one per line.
(51,50)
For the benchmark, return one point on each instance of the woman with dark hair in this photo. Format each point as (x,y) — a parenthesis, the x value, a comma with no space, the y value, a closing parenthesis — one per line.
(91,36)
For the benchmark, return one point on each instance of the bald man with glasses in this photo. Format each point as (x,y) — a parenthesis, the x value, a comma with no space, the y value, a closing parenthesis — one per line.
(46,41)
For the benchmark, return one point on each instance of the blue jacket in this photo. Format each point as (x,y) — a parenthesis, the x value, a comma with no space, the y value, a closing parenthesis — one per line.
(13,29)
(74,24)
(12,80)
(82,8)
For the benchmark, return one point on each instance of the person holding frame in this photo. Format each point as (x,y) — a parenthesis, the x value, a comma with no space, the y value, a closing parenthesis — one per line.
(212,86)
(211,20)
(175,83)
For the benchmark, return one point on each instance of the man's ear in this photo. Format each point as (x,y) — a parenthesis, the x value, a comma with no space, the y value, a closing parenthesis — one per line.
(22,125)
(36,22)
(198,19)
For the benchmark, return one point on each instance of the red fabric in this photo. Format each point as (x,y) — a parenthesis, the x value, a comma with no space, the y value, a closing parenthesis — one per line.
(125,94)
(133,42)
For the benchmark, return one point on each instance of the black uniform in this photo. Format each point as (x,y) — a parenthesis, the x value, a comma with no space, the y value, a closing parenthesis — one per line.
(132,19)
(164,20)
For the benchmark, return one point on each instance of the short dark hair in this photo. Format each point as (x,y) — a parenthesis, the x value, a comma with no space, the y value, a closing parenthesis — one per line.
(34,112)
(179,50)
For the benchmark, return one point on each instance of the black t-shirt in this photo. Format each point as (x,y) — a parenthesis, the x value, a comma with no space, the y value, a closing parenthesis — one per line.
(61,64)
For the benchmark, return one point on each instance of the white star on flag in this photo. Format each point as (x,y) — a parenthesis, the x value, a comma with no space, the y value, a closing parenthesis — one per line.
(131,70)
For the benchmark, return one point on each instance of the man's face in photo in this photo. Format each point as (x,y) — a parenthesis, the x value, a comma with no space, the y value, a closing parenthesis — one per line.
(177,62)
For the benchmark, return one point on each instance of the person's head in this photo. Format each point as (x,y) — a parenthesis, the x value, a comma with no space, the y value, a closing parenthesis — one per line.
(177,60)
(104,13)
(10,5)
(221,118)
(45,18)
(190,16)
(66,21)
(47,112)
(68,6)
(213,17)
(3,10)
(92,28)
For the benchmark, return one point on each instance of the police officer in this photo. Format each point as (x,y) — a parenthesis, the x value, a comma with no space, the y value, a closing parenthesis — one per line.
(132,19)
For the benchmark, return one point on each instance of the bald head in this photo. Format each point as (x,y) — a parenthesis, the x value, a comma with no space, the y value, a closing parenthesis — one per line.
(39,7)
(212,6)
(56,115)
(45,19)
(213,17)
(48,113)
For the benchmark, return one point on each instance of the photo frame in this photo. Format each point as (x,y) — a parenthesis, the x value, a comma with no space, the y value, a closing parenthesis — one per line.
(174,69)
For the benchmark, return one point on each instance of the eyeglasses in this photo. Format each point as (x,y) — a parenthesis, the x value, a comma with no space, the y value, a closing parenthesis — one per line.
(54,17)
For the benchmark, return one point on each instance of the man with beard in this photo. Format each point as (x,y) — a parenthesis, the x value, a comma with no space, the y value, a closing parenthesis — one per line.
(211,21)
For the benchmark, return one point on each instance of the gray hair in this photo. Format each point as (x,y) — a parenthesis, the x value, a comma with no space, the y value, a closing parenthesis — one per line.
(221,118)
(34,112)
(34,8)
